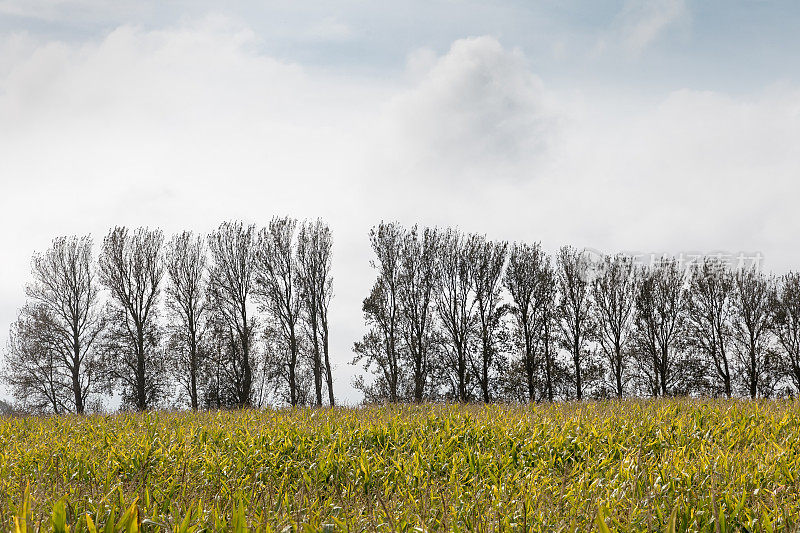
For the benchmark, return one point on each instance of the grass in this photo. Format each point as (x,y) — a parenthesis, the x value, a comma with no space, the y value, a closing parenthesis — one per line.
(666,465)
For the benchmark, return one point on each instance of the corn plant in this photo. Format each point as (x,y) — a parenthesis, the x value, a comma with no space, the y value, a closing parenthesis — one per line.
(666,465)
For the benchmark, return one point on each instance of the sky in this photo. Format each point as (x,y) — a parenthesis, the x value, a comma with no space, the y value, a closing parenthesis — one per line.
(663,126)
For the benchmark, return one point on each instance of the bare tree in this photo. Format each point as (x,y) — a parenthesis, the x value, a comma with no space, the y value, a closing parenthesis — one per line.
(660,325)
(308,271)
(65,289)
(550,323)
(314,248)
(31,367)
(574,309)
(752,319)
(614,292)
(786,322)
(646,328)
(131,267)
(419,271)
(382,310)
(528,282)
(278,287)
(709,312)
(455,304)
(233,249)
(489,260)
(186,263)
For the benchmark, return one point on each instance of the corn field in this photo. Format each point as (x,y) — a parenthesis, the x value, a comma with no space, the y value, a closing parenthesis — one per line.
(665,465)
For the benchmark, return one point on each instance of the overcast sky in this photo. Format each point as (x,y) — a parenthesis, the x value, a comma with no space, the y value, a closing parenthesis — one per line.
(635,125)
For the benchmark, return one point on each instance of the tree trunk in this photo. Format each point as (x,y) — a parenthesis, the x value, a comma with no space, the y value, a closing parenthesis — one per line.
(528,360)
(193,366)
(485,376)
(727,377)
(317,375)
(293,367)
(76,377)
(317,356)
(577,359)
(292,385)
(193,378)
(462,376)
(328,373)
(247,378)
(548,362)
(753,372)
(76,389)
(141,392)
(419,378)
(529,376)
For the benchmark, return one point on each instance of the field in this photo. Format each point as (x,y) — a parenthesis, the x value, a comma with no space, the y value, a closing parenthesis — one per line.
(668,465)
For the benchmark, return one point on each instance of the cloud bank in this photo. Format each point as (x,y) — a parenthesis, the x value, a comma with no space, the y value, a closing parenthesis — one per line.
(185,126)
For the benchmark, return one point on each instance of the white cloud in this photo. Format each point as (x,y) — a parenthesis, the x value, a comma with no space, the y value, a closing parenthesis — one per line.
(477,109)
(189,125)
(641,22)
(644,21)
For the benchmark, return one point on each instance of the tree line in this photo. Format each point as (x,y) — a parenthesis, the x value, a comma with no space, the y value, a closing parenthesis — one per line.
(459,317)
(237,318)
